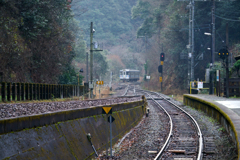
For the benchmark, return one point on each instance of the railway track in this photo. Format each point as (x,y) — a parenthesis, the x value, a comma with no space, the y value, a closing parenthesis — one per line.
(184,138)
(155,137)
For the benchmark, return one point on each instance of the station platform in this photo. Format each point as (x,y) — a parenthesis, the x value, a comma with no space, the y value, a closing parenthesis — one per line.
(224,110)
(230,103)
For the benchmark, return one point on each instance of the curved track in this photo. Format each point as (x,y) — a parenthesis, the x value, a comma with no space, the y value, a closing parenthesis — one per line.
(184,138)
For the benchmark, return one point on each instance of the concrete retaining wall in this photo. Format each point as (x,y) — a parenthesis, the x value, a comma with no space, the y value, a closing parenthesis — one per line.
(67,139)
(226,117)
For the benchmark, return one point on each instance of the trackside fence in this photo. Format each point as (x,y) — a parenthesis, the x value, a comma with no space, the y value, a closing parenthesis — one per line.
(195,86)
(36,91)
(233,86)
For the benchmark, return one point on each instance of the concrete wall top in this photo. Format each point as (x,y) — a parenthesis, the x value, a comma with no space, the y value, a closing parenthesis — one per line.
(232,118)
(20,123)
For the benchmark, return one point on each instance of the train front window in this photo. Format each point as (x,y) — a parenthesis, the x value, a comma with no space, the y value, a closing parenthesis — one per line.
(127,73)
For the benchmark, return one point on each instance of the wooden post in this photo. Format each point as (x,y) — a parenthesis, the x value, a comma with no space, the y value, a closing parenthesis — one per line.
(10,91)
(19,92)
(15,92)
(0,92)
(61,91)
(4,91)
(72,90)
(24,91)
(44,91)
(31,91)
(28,91)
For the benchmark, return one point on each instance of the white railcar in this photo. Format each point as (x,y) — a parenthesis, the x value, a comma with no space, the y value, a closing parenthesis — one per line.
(129,75)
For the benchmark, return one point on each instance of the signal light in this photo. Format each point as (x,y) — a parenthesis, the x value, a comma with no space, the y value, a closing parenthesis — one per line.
(160,68)
(223,53)
(162,56)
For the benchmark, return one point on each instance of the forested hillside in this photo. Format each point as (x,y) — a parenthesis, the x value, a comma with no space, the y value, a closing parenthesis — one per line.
(46,41)
(115,30)
(37,41)
(166,22)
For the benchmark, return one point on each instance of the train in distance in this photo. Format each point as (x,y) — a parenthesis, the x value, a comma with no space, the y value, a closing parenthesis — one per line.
(129,75)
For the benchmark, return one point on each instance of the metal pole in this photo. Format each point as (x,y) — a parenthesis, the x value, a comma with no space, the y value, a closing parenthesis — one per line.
(211,62)
(227,70)
(190,43)
(162,80)
(213,33)
(87,67)
(99,89)
(145,55)
(91,58)
(211,91)
(192,57)
(107,139)
(111,135)
(219,83)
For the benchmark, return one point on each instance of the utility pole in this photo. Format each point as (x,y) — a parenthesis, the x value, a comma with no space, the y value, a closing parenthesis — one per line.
(213,32)
(227,70)
(192,47)
(91,61)
(211,89)
(189,43)
(145,65)
(146,53)
(87,67)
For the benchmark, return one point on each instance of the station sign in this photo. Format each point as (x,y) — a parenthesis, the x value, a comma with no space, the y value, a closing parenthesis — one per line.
(90,85)
(111,120)
(99,82)
(107,110)
(200,84)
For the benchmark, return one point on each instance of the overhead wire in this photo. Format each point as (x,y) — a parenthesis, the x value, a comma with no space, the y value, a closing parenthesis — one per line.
(227,18)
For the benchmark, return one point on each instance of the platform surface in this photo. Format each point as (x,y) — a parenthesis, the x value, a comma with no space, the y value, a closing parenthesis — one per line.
(231,103)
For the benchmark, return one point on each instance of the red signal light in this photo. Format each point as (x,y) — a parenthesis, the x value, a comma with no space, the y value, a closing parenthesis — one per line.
(162,57)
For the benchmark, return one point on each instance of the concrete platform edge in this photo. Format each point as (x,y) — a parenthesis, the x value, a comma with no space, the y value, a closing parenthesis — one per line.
(231,122)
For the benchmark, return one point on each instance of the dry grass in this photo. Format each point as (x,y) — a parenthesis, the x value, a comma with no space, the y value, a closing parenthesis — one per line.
(178,97)
(104,91)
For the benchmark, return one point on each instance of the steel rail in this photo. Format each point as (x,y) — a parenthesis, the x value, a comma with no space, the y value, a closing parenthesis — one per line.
(199,157)
(126,91)
(171,127)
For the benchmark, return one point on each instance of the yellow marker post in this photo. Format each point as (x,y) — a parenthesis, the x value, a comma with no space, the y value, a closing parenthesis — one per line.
(160,79)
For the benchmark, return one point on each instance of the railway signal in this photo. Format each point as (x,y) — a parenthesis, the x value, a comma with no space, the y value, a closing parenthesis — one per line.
(162,56)
(160,68)
(223,53)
